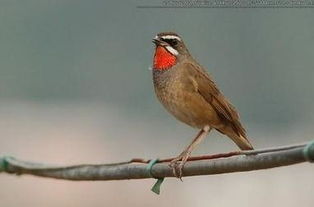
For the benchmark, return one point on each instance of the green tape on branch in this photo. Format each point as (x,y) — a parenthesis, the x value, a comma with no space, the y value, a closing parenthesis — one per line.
(157,185)
(3,164)
(150,166)
(308,152)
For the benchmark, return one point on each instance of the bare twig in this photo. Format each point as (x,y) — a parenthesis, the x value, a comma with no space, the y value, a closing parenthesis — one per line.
(137,168)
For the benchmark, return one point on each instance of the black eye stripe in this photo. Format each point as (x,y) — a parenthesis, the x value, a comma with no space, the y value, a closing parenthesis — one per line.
(170,41)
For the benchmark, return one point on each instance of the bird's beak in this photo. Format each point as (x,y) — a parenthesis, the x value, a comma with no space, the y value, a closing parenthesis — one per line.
(157,41)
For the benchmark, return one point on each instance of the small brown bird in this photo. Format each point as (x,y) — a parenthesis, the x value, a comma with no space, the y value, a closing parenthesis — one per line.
(188,92)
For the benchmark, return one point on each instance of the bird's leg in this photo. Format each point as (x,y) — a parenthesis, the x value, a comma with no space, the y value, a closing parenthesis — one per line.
(178,163)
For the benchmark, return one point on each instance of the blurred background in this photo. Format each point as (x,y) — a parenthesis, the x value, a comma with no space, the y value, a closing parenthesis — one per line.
(75,87)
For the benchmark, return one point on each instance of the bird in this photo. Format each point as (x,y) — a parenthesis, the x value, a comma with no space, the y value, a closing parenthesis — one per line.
(189,93)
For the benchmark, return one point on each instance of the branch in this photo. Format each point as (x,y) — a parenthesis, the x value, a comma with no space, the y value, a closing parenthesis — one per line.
(137,168)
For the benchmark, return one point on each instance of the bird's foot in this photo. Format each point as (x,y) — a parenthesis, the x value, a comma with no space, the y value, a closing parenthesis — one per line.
(178,163)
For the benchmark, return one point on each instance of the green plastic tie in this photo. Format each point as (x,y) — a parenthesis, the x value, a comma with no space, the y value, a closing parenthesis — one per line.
(157,185)
(308,151)
(3,164)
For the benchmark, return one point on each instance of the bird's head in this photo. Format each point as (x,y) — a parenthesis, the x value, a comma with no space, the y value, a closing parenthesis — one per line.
(169,50)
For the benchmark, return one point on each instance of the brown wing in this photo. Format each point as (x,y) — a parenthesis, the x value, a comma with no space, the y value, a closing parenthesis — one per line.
(206,87)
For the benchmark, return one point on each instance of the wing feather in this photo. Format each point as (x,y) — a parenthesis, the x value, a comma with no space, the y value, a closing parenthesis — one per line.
(207,88)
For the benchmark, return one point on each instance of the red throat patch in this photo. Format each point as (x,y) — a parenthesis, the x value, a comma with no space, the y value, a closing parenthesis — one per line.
(163,59)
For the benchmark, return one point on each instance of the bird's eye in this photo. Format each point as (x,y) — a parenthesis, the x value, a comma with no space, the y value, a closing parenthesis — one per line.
(172,42)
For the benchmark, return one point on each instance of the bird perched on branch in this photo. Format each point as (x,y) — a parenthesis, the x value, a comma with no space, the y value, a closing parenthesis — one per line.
(188,92)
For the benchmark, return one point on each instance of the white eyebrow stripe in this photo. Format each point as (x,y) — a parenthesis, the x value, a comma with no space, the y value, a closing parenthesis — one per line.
(171,37)
(171,50)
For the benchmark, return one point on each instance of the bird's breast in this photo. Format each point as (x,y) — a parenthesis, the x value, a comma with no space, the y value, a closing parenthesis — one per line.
(187,106)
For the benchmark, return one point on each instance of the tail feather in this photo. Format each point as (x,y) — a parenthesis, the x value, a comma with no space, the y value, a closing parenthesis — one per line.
(242,142)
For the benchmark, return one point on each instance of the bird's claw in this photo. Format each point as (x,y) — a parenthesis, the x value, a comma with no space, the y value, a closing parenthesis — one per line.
(178,163)
(176,166)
